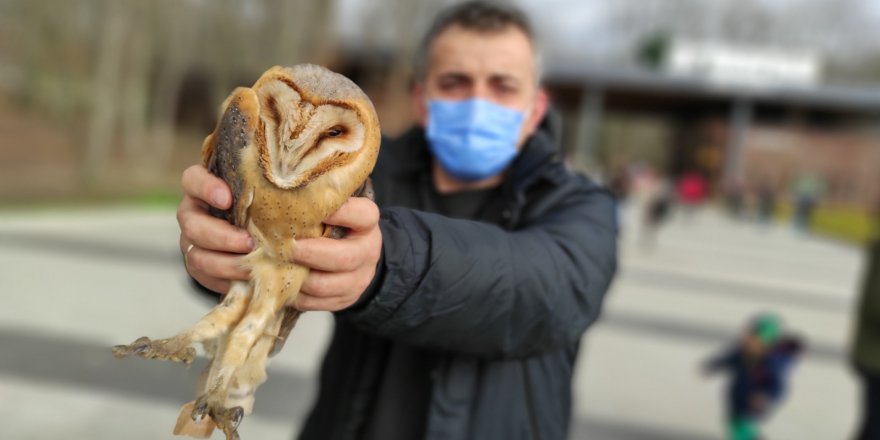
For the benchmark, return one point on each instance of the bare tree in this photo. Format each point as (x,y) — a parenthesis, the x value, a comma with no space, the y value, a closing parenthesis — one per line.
(396,26)
(107,77)
(136,87)
(180,28)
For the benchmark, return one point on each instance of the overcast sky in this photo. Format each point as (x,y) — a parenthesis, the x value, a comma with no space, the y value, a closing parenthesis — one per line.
(605,29)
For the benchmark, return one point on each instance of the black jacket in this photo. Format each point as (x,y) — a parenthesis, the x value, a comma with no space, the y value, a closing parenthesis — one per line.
(502,308)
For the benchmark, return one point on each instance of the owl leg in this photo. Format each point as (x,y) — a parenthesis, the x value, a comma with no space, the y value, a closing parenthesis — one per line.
(240,395)
(248,343)
(252,373)
(186,424)
(180,348)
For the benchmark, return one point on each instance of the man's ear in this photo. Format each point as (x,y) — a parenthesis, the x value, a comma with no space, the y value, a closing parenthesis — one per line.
(539,109)
(420,105)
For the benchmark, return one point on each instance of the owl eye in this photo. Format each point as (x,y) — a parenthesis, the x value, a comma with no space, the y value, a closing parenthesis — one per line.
(335,131)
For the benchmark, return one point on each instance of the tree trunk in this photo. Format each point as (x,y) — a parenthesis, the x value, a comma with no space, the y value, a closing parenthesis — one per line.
(136,91)
(104,110)
(178,45)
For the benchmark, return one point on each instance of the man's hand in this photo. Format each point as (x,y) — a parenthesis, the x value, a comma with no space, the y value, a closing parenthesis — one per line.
(341,269)
(214,258)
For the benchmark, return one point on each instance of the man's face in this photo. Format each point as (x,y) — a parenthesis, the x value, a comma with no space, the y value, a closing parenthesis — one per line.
(495,66)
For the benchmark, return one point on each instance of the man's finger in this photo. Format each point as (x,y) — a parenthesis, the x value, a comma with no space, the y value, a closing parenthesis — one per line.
(357,213)
(216,285)
(307,303)
(326,254)
(210,264)
(336,284)
(197,182)
(212,233)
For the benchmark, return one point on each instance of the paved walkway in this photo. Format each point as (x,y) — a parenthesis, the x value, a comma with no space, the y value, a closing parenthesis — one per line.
(77,282)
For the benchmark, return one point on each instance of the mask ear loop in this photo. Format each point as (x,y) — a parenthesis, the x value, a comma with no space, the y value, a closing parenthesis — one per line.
(527,115)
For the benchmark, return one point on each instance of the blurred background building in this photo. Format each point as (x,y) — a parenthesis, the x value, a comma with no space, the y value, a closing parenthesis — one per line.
(740,91)
(773,104)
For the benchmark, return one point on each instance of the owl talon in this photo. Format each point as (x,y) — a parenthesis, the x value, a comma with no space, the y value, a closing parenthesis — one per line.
(227,419)
(200,410)
(236,416)
(136,347)
(172,349)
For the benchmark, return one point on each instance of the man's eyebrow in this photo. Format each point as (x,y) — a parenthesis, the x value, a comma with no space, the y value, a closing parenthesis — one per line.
(454,75)
(505,78)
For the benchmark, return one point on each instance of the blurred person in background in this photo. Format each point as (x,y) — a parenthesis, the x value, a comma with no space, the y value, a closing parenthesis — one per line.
(459,311)
(758,365)
(865,353)
(766,199)
(807,189)
(691,190)
(734,189)
(657,209)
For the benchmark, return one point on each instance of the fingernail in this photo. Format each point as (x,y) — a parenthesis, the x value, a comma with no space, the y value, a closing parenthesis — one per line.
(219,197)
(294,251)
(250,243)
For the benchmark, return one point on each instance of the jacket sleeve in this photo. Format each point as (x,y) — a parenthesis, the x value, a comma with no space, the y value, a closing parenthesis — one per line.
(722,361)
(477,289)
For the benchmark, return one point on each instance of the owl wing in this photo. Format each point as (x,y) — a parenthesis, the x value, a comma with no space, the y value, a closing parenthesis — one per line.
(222,151)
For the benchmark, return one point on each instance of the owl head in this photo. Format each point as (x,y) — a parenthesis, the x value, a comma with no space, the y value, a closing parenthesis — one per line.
(311,120)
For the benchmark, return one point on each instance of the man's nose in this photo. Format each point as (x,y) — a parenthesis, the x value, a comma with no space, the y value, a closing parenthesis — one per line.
(481,90)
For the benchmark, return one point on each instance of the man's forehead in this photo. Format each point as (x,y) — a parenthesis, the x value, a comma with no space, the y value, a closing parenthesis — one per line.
(502,53)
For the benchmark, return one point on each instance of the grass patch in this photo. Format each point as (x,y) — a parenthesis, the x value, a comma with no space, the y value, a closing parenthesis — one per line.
(151,199)
(848,223)
(157,199)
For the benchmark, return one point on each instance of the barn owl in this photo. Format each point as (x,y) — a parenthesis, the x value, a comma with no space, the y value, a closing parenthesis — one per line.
(292,148)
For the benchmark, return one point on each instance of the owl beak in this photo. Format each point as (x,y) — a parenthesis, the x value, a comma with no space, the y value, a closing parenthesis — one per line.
(296,150)
(293,146)
(299,149)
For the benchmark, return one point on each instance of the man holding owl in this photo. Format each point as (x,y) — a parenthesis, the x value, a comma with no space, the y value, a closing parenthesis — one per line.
(460,297)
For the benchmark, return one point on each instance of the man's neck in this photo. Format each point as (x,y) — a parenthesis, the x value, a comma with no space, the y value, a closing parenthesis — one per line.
(446,184)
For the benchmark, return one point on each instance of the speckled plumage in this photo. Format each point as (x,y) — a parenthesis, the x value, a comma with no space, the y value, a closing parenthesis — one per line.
(292,148)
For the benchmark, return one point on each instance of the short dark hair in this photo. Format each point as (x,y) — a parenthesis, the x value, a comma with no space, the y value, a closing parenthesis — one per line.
(479,16)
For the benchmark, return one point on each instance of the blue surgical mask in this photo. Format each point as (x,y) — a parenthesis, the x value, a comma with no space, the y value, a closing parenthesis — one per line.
(473,139)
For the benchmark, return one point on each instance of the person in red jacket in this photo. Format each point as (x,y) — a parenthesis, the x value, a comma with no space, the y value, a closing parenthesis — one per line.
(691,190)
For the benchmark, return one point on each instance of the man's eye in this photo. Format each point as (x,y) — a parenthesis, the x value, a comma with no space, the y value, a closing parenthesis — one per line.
(334,132)
(506,88)
(450,85)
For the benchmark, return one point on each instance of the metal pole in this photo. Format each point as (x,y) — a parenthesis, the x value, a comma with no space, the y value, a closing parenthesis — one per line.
(740,122)
(589,121)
